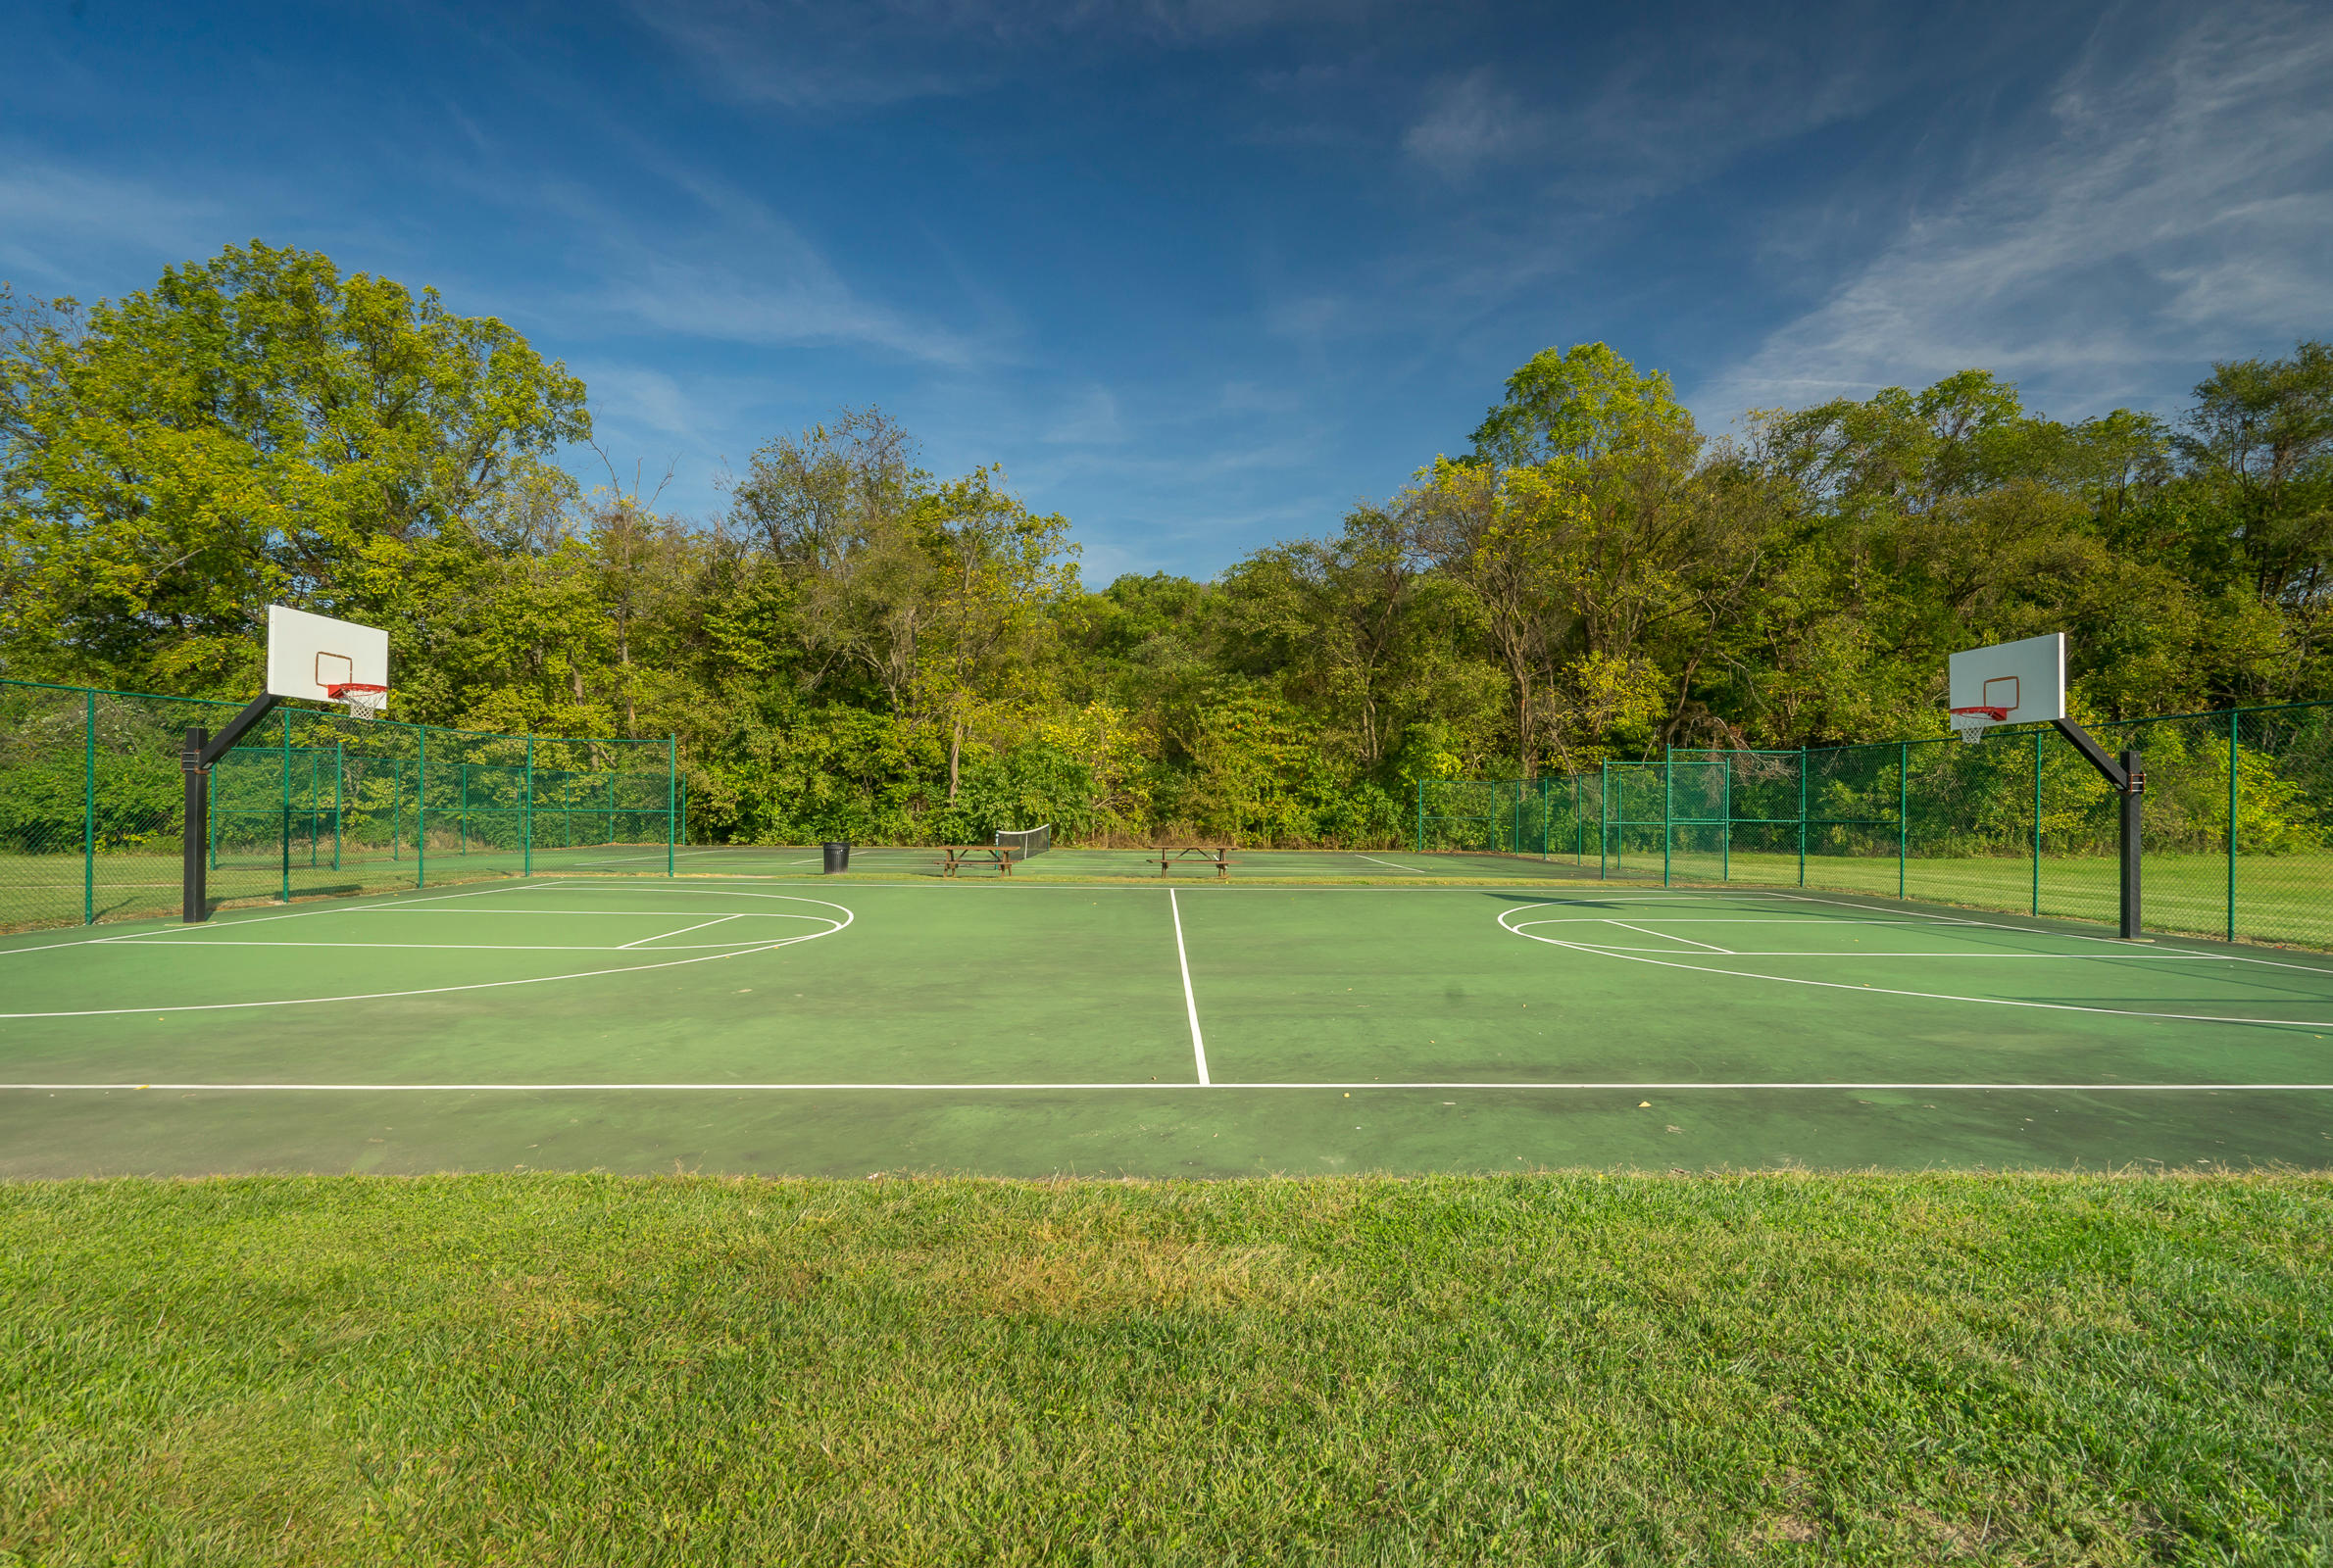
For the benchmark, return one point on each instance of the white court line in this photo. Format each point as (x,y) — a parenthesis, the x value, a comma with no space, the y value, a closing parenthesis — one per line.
(1190,998)
(1630,1085)
(683,931)
(482,985)
(405,906)
(1412,869)
(221,922)
(1923,996)
(479,946)
(1706,947)
(1881,953)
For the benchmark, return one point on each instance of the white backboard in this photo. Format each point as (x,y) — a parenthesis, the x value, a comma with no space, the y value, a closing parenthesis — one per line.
(307,654)
(2027,677)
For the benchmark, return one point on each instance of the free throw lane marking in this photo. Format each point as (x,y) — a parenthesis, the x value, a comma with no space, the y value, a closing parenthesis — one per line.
(1190,998)
(833,926)
(1630,957)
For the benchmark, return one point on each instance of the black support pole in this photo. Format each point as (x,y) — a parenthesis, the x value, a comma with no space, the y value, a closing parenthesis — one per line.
(194,902)
(2131,783)
(203,750)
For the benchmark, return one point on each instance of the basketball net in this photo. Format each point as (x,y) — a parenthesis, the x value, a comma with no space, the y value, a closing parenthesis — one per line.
(362,700)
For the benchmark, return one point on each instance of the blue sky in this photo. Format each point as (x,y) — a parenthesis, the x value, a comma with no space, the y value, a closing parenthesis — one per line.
(1201,273)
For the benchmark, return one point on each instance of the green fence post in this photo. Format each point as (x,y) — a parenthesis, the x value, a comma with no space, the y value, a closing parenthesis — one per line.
(396,809)
(672,798)
(421,810)
(2037,816)
(2234,716)
(1421,816)
(526,815)
(684,809)
(1903,810)
(1668,805)
(462,823)
(287,755)
(1802,813)
(339,796)
(1725,851)
(1604,812)
(89,812)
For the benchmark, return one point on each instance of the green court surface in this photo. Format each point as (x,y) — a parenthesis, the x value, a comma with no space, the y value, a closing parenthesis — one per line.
(1048,1024)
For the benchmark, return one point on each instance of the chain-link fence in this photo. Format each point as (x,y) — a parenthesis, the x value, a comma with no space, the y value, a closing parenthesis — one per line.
(309,802)
(2237,836)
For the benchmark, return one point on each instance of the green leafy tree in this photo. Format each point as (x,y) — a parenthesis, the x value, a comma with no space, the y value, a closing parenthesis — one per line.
(253,429)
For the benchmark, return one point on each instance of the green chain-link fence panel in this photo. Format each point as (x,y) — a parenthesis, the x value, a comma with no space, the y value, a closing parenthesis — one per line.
(310,802)
(2236,833)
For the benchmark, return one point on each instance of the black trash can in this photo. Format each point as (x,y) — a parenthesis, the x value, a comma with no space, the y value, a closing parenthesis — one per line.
(838,857)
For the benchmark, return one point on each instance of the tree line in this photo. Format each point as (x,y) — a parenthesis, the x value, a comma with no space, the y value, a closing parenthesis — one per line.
(856,646)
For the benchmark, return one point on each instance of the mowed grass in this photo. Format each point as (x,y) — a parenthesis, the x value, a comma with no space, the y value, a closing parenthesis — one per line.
(1535,1369)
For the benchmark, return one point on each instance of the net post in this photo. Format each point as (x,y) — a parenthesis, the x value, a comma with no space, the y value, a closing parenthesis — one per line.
(194,840)
(89,811)
(2134,793)
(2235,714)
(672,798)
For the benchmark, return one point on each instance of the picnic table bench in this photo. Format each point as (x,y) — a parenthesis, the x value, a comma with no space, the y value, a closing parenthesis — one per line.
(1218,855)
(953,856)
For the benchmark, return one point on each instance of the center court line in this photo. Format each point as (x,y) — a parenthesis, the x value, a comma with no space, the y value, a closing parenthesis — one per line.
(1190,998)
(1630,1085)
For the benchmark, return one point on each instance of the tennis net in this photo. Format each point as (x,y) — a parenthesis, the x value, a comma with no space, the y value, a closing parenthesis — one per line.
(1027,841)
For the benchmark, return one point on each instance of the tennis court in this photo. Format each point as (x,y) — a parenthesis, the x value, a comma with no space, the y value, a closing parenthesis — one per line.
(1066,1021)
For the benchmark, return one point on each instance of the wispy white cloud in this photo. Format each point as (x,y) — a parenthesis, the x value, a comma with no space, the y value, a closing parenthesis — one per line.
(2166,211)
(642,396)
(1470,120)
(59,225)
(811,56)
(1093,420)
(740,273)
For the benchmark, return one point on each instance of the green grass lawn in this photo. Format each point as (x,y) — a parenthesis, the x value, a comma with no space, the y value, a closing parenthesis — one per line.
(1535,1369)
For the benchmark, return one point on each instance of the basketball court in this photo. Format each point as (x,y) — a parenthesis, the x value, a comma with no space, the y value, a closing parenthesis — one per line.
(1030,1027)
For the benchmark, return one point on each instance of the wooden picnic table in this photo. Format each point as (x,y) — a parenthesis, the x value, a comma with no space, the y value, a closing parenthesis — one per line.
(955,855)
(1218,855)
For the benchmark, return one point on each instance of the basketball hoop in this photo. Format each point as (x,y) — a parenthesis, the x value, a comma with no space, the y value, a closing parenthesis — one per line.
(1972,721)
(364,698)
